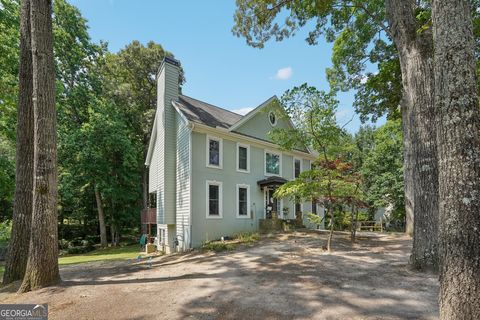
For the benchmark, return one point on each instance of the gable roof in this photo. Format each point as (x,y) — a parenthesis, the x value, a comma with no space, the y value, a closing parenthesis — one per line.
(252,113)
(204,113)
(193,110)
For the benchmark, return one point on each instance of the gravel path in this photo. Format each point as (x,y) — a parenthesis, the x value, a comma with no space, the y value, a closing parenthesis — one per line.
(284,277)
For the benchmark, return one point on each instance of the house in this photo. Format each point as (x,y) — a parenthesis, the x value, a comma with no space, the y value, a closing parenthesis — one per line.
(212,171)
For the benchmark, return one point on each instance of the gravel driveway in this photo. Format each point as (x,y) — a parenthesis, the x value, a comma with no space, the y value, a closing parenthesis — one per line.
(283,277)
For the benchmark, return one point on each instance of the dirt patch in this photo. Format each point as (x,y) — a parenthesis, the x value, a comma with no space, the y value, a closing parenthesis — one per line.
(288,276)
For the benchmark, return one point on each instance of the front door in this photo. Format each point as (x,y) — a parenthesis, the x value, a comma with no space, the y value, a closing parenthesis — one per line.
(271,204)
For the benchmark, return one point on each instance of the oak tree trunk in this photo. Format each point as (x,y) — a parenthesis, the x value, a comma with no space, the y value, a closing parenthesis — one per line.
(101,219)
(458,114)
(17,255)
(42,265)
(415,49)
(407,172)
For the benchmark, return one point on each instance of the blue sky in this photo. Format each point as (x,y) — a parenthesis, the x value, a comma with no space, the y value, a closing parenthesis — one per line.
(219,68)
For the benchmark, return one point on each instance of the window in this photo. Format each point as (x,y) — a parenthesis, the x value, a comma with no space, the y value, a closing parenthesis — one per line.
(214,199)
(272,118)
(297,167)
(243,157)
(214,152)
(314,206)
(273,163)
(243,201)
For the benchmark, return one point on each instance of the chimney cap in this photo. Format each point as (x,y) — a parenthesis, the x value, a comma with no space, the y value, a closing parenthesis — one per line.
(171,60)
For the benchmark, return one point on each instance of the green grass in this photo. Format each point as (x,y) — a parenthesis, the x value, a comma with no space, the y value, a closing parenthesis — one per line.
(113,253)
(243,238)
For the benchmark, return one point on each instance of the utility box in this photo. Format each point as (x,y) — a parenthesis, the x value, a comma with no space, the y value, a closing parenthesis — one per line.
(150,247)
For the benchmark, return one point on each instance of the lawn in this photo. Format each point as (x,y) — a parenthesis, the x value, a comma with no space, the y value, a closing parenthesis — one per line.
(113,253)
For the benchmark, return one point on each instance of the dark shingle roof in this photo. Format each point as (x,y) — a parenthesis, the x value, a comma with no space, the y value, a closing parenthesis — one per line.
(207,114)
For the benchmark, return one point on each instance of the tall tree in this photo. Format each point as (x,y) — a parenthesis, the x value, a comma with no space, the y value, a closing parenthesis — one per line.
(364,31)
(42,264)
(382,169)
(16,261)
(130,79)
(456,100)
(9,64)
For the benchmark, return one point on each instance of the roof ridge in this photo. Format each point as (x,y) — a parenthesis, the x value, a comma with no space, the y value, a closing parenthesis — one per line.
(211,105)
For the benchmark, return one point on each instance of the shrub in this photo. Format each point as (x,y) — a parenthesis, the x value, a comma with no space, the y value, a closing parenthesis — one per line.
(5,230)
(247,237)
(63,244)
(80,249)
(217,246)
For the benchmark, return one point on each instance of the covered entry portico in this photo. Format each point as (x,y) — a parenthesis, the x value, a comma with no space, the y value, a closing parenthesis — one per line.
(272,207)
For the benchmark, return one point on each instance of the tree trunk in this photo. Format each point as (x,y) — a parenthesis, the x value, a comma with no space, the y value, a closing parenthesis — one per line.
(101,219)
(22,209)
(330,235)
(458,114)
(42,264)
(352,224)
(408,173)
(415,50)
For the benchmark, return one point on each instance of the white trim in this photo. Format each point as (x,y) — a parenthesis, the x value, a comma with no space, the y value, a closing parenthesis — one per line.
(207,152)
(151,143)
(175,106)
(281,209)
(279,202)
(225,134)
(301,166)
(265,151)
(220,199)
(247,146)
(245,186)
(301,207)
(191,184)
(252,113)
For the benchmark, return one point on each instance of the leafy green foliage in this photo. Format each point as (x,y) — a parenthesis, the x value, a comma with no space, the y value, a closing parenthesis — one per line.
(332,179)
(130,80)
(360,34)
(382,169)
(105,104)
(5,231)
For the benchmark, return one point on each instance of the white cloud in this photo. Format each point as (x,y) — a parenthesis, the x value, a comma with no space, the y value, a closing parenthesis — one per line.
(284,73)
(242,111)
(343,113)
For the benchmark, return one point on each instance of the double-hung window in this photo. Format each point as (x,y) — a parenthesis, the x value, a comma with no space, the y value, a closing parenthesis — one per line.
(243,201)
(243,157)
(214,199)
(273,163)
(214,152)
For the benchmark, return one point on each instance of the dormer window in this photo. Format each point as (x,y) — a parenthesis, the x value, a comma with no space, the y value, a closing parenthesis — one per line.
(272,118)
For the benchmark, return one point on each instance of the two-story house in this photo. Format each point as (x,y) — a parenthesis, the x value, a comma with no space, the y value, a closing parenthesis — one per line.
(213,172)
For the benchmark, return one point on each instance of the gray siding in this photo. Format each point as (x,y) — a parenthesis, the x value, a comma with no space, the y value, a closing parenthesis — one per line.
(209,229)
(183,183)
(169,81)
(162,166)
